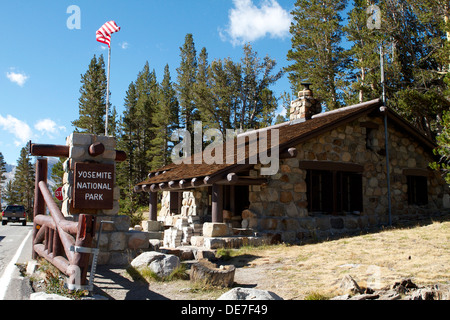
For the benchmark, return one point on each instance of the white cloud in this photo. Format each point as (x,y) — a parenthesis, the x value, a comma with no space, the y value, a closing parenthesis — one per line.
(247,22)
(124,45)
(16,77)
(49,127)
(18,128)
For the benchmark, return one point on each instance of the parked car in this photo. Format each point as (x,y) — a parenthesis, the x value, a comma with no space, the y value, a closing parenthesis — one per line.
(14,213)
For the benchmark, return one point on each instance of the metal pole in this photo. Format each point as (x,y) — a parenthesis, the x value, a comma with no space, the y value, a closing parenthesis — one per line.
(382,74)
(107,91)
(386,137)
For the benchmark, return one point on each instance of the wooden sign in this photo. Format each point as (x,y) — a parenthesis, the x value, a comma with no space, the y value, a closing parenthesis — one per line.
(93,186)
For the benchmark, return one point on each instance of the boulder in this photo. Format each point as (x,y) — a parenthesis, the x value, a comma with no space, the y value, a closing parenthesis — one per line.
(47,296)
(349,285)
(160,263)
(138,239)
(249,294)
(213,229)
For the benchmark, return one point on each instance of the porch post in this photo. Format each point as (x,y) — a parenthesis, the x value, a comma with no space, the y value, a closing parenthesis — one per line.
(217,203)
(153,206)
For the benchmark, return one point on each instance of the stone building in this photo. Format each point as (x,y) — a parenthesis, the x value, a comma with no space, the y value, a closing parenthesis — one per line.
(331,177)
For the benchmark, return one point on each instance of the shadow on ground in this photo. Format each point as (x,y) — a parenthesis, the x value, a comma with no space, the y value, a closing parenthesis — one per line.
(111,283)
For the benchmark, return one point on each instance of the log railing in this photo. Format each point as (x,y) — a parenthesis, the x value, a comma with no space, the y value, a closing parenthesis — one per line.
(65,244)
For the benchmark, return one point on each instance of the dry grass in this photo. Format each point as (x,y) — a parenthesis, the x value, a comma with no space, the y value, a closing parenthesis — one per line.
(374,260)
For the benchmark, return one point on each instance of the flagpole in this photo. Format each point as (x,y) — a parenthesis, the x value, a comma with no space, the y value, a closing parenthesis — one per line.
(107,91)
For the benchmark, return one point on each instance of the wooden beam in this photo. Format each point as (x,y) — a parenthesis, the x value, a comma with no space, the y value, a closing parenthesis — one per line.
(96,149)
(331,166)
(51,150)
(172,184)
(234,179)
(196,182)
(289,153)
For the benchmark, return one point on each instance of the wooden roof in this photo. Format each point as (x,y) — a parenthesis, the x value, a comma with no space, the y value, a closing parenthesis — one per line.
(291,134)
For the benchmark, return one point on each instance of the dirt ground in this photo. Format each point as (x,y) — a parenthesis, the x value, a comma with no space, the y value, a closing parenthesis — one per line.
(374,260)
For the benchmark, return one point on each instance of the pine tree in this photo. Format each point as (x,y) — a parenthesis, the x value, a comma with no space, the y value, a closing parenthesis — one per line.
(202,90)
(443,150)
(316,51)
(126,170)
(23,184)
(147,90)
(364,64)
(416,60)
(10,194)
(219,112)
(58,173)
(166,120)
(187,73)
(92,103)
(258,103)
(137,137)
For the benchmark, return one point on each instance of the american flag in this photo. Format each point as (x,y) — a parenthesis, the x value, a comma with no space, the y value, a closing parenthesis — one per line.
(104,33)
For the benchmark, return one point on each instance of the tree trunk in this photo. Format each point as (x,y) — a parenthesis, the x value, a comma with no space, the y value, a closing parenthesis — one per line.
(208,273)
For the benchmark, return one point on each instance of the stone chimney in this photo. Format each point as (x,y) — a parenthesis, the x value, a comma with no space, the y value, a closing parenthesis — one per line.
(305,106)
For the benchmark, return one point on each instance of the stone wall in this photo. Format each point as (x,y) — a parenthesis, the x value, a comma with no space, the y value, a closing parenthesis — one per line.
(194,203)
(281,206)
(117,242)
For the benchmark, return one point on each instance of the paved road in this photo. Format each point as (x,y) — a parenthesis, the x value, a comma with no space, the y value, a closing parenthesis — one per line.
(15,247)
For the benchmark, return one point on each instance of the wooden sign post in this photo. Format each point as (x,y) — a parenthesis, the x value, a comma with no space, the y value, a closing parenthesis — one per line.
(93,186)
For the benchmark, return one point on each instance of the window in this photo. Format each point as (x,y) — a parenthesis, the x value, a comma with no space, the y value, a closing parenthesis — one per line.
(334,191)
(175,202)
(417,190)
(320,191)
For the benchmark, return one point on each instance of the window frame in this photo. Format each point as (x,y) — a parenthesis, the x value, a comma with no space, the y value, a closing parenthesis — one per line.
(335,194)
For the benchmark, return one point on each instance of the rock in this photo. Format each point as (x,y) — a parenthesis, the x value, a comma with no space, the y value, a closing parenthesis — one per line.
(155,244)
(423,294)
(365,297)
(160,263)
(47,296)
(249,294)
(154,226)
(204,254)
(95,297)
(211,229)
(389,295)
(349,284)
(405,283)
(403,290)
(32,266)
(343,297)
(138,240)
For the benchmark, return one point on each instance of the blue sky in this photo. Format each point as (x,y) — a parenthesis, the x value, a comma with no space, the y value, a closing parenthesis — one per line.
(42,59)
